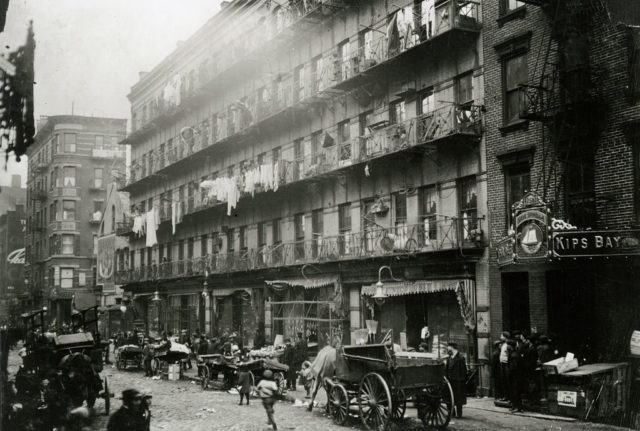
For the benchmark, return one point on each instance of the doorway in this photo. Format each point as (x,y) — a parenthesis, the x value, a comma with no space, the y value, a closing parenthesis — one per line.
(515,301)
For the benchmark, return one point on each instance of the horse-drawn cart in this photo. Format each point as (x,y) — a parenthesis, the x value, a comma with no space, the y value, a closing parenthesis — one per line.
(212,365)
(129,355)
(374,383)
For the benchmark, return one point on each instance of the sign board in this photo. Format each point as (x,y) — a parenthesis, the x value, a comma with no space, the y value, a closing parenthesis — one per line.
(106,261)
(482,317)
(505,250)
(567,398)
(576,243)
(530,224)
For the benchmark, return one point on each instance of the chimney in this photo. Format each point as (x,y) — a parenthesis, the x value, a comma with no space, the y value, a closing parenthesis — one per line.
(16,181)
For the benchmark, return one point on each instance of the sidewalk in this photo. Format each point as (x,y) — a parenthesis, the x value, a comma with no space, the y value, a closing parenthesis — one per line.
(487,404)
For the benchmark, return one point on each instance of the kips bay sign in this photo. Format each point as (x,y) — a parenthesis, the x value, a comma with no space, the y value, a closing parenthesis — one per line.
(576,243)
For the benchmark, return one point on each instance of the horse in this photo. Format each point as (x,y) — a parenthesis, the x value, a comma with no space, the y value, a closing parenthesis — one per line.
(324,366)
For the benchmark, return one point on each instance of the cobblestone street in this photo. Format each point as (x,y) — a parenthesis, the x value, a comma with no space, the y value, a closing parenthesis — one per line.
(183,405)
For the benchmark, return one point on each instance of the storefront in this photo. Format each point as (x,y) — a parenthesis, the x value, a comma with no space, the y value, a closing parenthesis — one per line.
(315,307)
(240,311)
(445,307)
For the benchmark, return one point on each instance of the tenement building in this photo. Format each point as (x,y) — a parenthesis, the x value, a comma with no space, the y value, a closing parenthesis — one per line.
(71,163)
(285,159)
(563,124)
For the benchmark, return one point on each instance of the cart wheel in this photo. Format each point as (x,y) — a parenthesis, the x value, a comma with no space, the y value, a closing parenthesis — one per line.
(435,405)
(338,403)
(107,397)
(205,377)
(280,381)
(399,404)
(374,402)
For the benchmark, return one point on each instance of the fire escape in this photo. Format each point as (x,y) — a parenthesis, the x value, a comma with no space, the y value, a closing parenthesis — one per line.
(565,95)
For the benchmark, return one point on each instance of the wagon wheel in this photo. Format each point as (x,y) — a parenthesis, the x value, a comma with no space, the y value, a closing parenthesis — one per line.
(204,374)
(107,397)
(374,402)
(338,403)
(399,404)
(281,381)
(435,405)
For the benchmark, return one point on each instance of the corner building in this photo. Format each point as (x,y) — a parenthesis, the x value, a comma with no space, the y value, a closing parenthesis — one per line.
(562,127)
(296,151)
(71,162)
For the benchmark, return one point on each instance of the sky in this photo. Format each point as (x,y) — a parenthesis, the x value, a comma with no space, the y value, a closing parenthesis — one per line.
(89,52)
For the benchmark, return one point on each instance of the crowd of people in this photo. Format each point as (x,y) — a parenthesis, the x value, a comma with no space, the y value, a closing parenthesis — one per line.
(516,363)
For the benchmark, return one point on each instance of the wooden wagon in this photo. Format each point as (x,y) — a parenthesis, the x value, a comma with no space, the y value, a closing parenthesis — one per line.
(374,383)
(211,366)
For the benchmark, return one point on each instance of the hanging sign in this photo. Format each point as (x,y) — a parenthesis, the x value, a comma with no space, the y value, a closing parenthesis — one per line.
(530,220)
(505,250)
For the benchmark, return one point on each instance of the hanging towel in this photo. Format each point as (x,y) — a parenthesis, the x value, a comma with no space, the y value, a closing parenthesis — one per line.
(151,228)
(393,36)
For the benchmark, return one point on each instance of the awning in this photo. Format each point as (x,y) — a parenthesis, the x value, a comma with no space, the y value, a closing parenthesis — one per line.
(307,283)
(399,288)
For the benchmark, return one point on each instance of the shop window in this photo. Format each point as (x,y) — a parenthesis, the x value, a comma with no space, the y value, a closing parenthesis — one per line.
(344,227)
(464,89)
(68,210)
(97,178)
(70,142)
(468,216)
(69,174)
(66,278)
(428,213)
(400,219)
(514,73)
(517,184)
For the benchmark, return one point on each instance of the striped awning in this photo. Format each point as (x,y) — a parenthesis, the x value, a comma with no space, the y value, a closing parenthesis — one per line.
(307,283)
(400,288)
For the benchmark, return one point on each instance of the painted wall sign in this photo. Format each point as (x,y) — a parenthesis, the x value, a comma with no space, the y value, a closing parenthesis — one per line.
(505,250)
(16,257)
(106,258)
(590,243)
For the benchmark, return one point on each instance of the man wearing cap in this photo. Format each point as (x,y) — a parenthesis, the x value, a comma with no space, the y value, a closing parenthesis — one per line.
(129,417)
(457,376)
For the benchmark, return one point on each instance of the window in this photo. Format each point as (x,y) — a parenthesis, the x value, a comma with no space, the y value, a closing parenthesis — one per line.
(132,259)
(97,178)
(315,147)
(262,234)
(464,89)
(68,210)
(317,227)
(204,245)
(181,250)
(67,244)
(55,182)
(580,190)
(70,142)
(517,183)
(99,142)
(169,251)
(514,74)
(298,231)
(276,154)
(52,212)
(397,113)
(275,227)
(300,82)
(343,52)
(317,74)
(242,236)
(428,212)
(230,240)
(66,278)
(261,158)
(400,219)
(366,47)
(344,228)
(427,102)
(190,243)
(468,204)
(97,205)
(69,176)
(510,5)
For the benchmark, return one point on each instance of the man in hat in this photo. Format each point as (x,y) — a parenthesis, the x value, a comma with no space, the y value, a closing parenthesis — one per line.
(457,375)
(147,356)
(129,417)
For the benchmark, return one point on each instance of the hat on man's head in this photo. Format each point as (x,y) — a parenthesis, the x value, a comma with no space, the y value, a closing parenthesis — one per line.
(130,394)
(452,344)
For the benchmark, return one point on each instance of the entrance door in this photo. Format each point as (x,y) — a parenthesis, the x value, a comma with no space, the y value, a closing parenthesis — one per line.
(417,318)
(515,301)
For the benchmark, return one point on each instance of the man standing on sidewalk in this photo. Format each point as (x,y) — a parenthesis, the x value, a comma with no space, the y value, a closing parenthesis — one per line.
(457,376)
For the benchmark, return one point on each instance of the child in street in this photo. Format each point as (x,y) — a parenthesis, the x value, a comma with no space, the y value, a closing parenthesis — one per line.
(267,390)
(244,382)
(306,377)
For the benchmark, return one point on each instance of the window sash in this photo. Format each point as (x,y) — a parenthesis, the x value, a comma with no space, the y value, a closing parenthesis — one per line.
(68,210)
(69,176)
